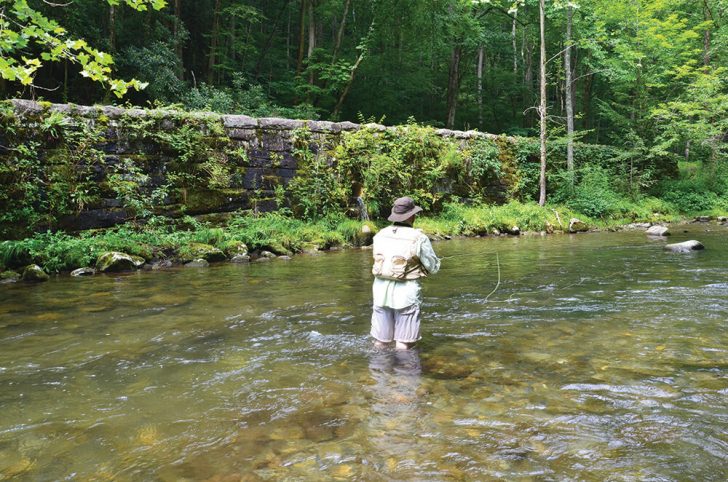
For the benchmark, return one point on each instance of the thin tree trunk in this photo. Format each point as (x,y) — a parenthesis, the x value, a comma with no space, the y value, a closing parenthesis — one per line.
(112,28)
(542,107)
(301,37)
(214,40)
(352,72)
(311,37)
(453,84)
(515,47)
(176,32)
(569,94)
(345,92)
(706,36)
(481,54)
(340,33)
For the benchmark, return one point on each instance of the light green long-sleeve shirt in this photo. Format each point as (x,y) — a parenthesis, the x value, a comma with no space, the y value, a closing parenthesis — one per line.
(401,294)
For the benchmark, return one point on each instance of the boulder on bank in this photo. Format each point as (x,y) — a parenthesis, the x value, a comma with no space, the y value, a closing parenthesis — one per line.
(577,226)
(685,246)
(115,262)
(195,251)
(83,272)
(657,230)
(34,274)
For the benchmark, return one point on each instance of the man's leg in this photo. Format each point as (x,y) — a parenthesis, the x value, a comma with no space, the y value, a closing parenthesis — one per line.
(382,326)
(407,327)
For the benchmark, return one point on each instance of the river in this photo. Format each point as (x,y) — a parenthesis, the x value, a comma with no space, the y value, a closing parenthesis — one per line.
(598,357)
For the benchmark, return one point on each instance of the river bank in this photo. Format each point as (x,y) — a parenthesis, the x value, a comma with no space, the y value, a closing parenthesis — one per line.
(160,243)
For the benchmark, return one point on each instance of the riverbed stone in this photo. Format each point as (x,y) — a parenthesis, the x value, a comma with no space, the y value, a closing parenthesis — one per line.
(197,263)
(83,272)
(702,219)
(163,264)
(657,230)
(235,248)
(195,251)
(240,258)
(114,262)
(685,246)
(34,274)
(9,277)
(577,226)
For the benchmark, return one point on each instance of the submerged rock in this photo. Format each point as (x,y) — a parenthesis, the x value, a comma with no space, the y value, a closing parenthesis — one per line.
(197,263)
(657,230)
(577,226)
(83,272)
(240,258)
(685,246)
(34,274)
(114,262)
(164,264)
(9,277)
(702,219)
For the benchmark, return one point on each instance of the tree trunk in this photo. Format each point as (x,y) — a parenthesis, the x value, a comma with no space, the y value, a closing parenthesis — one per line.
(453,84)
(515,47)
(112,28)
(481,55)
(706,36)
(352,73)
(542,107)
(569,94)
(177,43)
(301,37)
(214,40)
(345,92)
(340,33)
(311,37)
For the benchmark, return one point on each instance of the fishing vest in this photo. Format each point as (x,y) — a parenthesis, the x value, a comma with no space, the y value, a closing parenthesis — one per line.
(395,254)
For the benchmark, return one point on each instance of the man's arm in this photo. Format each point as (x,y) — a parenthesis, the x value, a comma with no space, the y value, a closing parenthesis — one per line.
(427,255)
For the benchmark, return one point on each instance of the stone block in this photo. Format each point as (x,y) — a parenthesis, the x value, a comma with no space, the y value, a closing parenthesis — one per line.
(280,124)
(242,122)
(324,126)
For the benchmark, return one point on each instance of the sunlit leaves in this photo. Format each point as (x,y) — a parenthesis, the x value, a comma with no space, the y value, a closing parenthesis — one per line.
(28,39)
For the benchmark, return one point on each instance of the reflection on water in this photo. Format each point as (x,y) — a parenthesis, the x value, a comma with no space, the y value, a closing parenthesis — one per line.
(599,357)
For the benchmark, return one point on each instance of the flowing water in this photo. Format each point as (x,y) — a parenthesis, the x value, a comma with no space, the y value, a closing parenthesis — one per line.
(599,357)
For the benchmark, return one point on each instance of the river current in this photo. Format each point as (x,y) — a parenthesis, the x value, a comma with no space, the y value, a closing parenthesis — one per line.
(568,357)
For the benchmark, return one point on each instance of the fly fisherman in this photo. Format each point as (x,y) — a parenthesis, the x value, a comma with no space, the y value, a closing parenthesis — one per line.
(402,255)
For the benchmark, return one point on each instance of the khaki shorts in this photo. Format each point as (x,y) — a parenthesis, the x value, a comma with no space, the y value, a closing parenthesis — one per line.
(399,325)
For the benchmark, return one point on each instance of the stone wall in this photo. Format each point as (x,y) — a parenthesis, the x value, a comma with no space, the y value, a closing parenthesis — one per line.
(257,154)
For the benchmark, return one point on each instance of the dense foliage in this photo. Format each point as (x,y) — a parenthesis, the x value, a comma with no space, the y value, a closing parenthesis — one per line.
(647,74)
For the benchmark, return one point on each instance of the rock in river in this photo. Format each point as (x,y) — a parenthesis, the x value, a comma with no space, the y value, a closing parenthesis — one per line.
(685,246)
(577,226)
(114,261)
(195,251)
(34,273)
(83,272)
(657,230)
(197,263)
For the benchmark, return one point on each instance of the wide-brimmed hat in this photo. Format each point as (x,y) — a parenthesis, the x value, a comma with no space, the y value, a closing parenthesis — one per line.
(403,208)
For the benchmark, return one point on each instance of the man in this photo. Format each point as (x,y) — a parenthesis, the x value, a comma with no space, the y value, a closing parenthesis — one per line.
(402,255)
